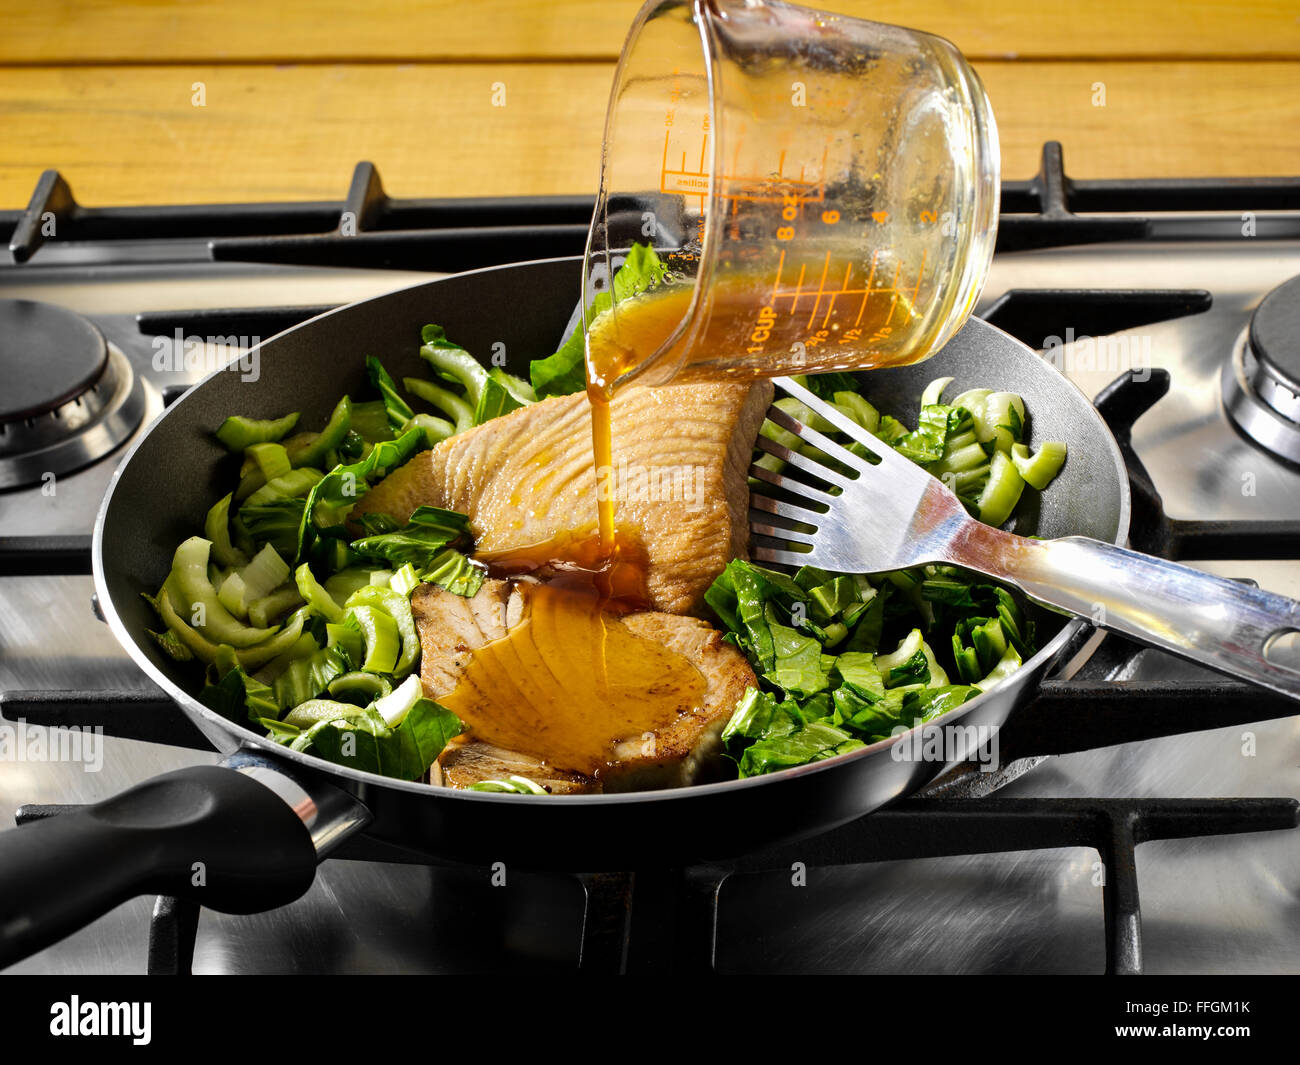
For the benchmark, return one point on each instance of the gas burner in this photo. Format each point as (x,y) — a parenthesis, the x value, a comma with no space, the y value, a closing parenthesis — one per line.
(1261,383)
(68,398)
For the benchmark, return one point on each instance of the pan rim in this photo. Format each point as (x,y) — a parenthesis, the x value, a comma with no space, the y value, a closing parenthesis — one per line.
(244,738)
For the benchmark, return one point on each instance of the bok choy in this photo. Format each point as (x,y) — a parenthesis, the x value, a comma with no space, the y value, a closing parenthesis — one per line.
(845,660)
(300,614)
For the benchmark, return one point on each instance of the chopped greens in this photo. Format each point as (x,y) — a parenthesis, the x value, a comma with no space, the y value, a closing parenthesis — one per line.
(845,660)
(238,432)
(359,738)
(975,444)
(419,541)
(299,607)
(452,362)
(395,407)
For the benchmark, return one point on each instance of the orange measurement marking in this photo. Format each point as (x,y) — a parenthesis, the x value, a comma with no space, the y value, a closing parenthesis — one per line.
(880,216)
(844,287)
(780,266)
(893,302)
(866,292)
(821,289)
(798,289)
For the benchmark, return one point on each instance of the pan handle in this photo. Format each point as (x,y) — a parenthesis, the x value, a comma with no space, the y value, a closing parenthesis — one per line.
(242,837)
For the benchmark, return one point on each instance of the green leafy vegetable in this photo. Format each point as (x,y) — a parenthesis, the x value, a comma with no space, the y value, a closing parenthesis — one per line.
(270,458)
(370,422)
(234,694)
(455,572)
(334,495)
(811,743)
(420,541)
(397,607)
(395,407)
(799,667)
(238,432)
(926,443)
(825,385)
(494,401)
(308,676)
(453,362)
(757,716)
(274,524)
(455,407)
(565,372)
(512,785)
(365,742)
(216,527)
(1039,469)
(313,451)
(820,641)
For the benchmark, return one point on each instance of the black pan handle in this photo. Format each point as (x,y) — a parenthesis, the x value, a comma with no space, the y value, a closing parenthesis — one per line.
(207,833)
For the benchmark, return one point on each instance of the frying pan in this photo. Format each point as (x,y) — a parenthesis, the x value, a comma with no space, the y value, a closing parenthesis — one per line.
(247,835)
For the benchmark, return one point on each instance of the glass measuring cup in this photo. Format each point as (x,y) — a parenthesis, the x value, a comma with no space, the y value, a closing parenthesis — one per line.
(820,192)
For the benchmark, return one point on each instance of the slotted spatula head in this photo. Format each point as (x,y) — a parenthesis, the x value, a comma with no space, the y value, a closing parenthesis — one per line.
(844,512)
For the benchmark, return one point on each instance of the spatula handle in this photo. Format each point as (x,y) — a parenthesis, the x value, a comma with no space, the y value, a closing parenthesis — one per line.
(1215,622)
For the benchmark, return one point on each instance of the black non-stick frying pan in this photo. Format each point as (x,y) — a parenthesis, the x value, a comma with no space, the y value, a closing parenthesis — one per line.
(253,829)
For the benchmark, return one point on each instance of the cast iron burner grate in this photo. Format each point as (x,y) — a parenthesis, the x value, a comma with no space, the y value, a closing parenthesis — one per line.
(369,228)
(661,920)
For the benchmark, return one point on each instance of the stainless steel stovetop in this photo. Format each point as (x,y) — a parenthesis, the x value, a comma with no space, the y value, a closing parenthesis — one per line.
(1221,904)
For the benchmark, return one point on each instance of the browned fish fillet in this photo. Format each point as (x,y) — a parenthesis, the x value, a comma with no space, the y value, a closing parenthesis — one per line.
(681,456)
(467,761)
(680,751)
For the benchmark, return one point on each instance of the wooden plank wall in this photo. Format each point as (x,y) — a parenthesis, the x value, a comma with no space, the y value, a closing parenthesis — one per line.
(294,93)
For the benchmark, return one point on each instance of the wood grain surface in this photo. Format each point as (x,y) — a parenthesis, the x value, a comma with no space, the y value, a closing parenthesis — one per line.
(116,31)
(293,95)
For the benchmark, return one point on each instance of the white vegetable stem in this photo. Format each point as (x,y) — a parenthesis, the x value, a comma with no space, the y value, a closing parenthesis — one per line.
(397,704)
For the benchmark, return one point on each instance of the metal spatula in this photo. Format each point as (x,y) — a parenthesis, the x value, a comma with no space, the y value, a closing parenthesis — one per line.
(891,514)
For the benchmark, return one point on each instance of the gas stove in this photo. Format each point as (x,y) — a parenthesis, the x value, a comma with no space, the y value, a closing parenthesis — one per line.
(1173,302)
